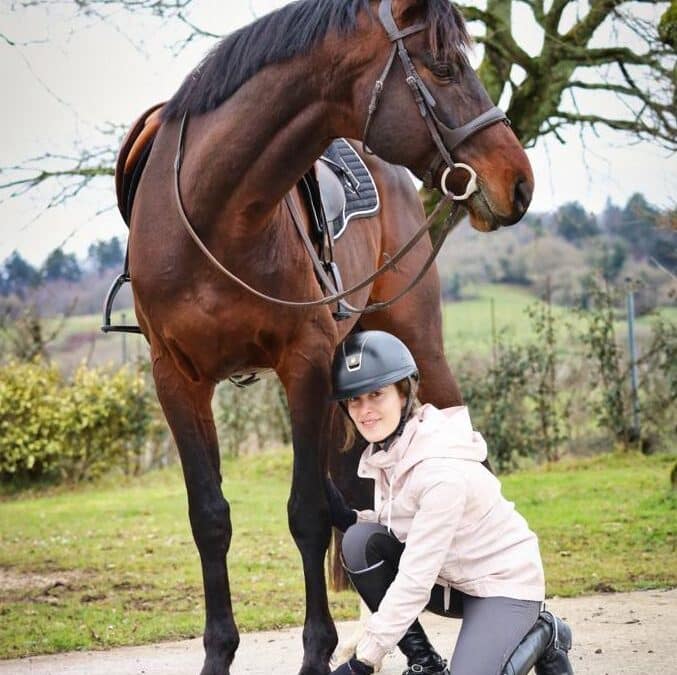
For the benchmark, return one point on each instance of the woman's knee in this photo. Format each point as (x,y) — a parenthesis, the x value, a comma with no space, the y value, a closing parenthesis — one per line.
(354,545)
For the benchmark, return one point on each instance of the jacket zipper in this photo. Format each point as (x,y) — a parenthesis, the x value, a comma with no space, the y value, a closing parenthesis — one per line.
(390,504)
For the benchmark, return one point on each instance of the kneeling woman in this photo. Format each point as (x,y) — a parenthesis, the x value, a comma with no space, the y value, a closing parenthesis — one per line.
(441,535)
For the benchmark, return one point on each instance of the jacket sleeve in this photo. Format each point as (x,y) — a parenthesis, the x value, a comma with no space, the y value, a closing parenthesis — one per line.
(366,516)
(441,505)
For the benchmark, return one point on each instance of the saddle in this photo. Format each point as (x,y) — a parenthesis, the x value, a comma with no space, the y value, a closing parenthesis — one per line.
(338,188)
(347,187)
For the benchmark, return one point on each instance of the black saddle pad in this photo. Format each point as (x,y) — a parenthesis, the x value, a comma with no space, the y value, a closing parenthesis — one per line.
(362,199)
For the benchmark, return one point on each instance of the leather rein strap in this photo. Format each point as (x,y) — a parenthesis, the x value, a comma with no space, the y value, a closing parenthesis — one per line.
(317,264)
(446,140)
(376,306)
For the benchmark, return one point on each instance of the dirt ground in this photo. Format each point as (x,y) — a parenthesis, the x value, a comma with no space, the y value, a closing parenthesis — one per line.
(614,634)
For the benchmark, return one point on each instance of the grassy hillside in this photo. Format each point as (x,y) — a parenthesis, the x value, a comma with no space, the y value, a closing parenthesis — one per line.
(114,563)
(467,327)
(80,338)
(468,324)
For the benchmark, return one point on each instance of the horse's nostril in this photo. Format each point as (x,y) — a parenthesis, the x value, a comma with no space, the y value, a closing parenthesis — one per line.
(522,196)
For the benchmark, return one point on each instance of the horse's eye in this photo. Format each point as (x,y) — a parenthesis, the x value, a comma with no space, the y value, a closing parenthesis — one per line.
(443,71)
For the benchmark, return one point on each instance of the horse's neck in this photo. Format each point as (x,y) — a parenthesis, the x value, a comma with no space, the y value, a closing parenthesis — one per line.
(246,155)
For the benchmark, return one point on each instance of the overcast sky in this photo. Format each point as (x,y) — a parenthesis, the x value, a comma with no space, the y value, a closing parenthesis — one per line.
(67,76)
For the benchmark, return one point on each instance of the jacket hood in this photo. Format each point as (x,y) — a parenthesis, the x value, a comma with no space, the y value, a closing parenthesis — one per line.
(430,433)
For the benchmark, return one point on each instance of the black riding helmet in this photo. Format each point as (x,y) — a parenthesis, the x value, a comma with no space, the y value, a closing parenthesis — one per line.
(369,360)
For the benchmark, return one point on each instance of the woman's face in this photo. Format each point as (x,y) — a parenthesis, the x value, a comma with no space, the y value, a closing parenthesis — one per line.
(377,414)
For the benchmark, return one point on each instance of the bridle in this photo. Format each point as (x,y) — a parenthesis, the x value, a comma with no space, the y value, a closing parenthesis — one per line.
(445,138)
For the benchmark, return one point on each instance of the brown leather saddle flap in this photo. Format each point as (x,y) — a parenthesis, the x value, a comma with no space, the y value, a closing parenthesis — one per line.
(141,132)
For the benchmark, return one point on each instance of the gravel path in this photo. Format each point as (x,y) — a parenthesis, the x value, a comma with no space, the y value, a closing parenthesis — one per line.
(614,634)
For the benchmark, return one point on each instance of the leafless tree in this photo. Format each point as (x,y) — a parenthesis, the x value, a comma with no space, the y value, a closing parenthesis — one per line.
(608,48)
(601,63)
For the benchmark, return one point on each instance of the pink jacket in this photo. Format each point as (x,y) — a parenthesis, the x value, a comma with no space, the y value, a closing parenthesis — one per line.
(433,493)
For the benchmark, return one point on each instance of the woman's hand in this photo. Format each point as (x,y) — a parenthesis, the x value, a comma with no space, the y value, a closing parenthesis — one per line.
(353,667)
(342,516)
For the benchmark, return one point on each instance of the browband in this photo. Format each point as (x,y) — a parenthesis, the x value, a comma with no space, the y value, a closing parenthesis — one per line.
(385,14)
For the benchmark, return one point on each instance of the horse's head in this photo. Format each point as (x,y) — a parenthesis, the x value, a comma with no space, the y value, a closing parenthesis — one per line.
(430,109)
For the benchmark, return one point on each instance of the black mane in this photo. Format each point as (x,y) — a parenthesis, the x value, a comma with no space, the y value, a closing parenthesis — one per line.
(290,31)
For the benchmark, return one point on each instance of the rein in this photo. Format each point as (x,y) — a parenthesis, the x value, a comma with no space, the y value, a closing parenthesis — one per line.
(335,296)
(445,139)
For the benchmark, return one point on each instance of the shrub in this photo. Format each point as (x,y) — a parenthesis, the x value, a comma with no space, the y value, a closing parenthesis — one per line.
(657,367)
(54,428)
(452,288)
(105,418)
(605,359)
(497,399)
(253,415)
(515,400)
(29,419)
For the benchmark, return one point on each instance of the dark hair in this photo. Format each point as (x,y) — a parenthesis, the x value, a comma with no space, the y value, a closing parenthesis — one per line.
(293,30)
(404,387)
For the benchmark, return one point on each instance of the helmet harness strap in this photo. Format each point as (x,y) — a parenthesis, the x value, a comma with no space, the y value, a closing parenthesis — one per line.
(404,418)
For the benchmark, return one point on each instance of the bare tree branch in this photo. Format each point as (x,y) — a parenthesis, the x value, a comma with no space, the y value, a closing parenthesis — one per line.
(551,20)
(161,8)
(78,173)
(641,74)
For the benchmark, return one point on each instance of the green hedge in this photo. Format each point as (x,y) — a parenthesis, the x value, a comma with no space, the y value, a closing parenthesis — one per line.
(71,429)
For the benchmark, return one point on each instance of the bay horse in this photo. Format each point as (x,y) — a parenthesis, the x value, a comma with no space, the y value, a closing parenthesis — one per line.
(256,114)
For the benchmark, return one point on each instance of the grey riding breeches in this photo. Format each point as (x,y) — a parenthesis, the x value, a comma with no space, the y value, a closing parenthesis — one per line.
(491,628)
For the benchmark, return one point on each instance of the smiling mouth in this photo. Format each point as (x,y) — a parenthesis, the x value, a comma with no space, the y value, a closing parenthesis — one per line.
(369,423)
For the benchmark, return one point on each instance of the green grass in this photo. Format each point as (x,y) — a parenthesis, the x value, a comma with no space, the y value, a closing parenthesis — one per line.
(467,324)
(129,572)
(84,323)
(604,524)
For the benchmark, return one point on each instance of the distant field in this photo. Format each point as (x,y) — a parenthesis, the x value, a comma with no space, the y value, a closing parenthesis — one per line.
(468,324)
(467,327)
(81,339)
(114,563)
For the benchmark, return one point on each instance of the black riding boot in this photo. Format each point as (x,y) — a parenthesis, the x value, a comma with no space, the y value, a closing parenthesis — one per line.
(555,660)
(421,655)
(422,658)
(545,646)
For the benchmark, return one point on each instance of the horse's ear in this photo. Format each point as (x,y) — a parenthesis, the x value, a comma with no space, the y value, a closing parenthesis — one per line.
(407,11)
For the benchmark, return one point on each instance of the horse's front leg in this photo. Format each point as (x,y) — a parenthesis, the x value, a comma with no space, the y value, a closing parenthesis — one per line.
(187,407)
(308,388)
